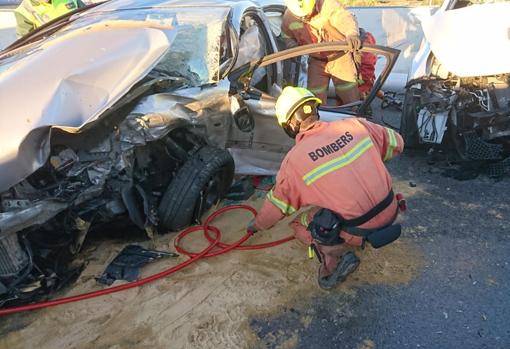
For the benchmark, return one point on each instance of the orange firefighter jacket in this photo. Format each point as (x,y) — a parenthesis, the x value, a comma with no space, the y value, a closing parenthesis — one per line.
(332,22)
(338,166)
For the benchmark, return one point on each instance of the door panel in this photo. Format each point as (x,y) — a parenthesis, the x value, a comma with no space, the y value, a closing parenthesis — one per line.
(267,137)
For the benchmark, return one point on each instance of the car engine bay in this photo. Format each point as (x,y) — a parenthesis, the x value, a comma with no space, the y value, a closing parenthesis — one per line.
(472,113)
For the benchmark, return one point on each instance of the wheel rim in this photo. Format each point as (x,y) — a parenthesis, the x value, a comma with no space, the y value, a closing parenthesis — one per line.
(209,196)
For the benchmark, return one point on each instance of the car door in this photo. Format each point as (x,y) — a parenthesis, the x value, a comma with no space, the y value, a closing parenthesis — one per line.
(261,147)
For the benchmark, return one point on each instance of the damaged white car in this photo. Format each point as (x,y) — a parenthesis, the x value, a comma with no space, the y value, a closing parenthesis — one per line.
(459,85)
(122,110)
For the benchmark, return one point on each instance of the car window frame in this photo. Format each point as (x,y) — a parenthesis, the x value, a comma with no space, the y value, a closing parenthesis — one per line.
(241,76)
(267,34)
(233,43)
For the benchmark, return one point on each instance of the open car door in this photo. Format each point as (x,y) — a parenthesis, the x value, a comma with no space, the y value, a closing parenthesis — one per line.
(257,142)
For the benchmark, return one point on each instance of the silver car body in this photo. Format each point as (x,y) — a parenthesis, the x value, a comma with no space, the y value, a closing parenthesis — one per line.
(468,41)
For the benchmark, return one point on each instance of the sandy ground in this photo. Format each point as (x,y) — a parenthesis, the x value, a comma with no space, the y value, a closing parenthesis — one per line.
(207,305)
(444,284)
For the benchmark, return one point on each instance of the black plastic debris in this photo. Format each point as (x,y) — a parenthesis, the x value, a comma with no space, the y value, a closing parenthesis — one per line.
(392,100)
(127,264)
(478,149)
(468,170)
(464,172)
(499,169)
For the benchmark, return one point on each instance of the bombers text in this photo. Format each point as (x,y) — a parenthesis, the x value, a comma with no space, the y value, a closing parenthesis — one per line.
(331,148)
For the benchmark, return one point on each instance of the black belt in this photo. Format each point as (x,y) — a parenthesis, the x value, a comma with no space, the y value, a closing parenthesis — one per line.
(326,224)
(381,206)
(380,236)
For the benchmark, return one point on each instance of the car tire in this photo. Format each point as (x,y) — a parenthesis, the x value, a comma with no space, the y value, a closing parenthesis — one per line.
(408,121)
(203,180)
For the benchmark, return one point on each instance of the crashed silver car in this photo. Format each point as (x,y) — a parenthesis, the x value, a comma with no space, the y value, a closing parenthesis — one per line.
(121,110)
(459,84)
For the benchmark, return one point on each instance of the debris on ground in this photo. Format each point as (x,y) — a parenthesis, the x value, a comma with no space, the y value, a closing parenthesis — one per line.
(127,264)
(241,190)
(209,303)
(468,170)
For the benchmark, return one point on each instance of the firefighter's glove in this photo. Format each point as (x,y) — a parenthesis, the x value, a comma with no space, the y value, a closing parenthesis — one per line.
(251,228)
(354,42)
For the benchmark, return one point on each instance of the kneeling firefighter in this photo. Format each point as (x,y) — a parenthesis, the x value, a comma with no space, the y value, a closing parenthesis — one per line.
(338,169)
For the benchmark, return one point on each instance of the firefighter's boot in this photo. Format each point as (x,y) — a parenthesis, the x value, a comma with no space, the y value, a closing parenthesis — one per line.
(336,264)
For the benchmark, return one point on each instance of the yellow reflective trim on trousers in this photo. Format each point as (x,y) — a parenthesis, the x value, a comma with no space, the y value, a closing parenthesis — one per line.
(282,205)
(316,90)
(304,219)
(339,162)
(346,86)
(392,144)
(296,25)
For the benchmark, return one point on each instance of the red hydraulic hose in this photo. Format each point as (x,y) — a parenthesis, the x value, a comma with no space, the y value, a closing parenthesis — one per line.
(223,247)
(207,252)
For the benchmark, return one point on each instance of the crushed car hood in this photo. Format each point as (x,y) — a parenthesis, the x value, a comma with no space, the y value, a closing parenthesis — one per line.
(66,82)
(471,41)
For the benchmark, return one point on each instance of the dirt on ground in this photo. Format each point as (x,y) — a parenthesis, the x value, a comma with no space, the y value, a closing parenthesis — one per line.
(207,305)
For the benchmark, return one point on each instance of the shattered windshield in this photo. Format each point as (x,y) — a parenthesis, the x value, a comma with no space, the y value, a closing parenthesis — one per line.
(194,54)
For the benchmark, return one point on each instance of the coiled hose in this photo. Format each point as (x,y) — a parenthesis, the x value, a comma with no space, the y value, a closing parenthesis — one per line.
(215,248)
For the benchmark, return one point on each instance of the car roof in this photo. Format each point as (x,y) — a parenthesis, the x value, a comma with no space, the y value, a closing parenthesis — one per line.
(113,5)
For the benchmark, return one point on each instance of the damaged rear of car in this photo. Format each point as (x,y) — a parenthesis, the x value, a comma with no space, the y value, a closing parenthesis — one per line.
(459,85)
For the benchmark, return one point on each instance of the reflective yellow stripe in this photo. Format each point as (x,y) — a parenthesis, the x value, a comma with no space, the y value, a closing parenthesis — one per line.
(316,90)
(311,252)
(392,144)
(304,219)
(345,87)
(339,162)
(282,205)
(296,25)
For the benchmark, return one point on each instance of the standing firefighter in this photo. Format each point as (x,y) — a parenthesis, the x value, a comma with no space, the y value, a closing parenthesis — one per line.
(31,14)
(312,21)
(338,169)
